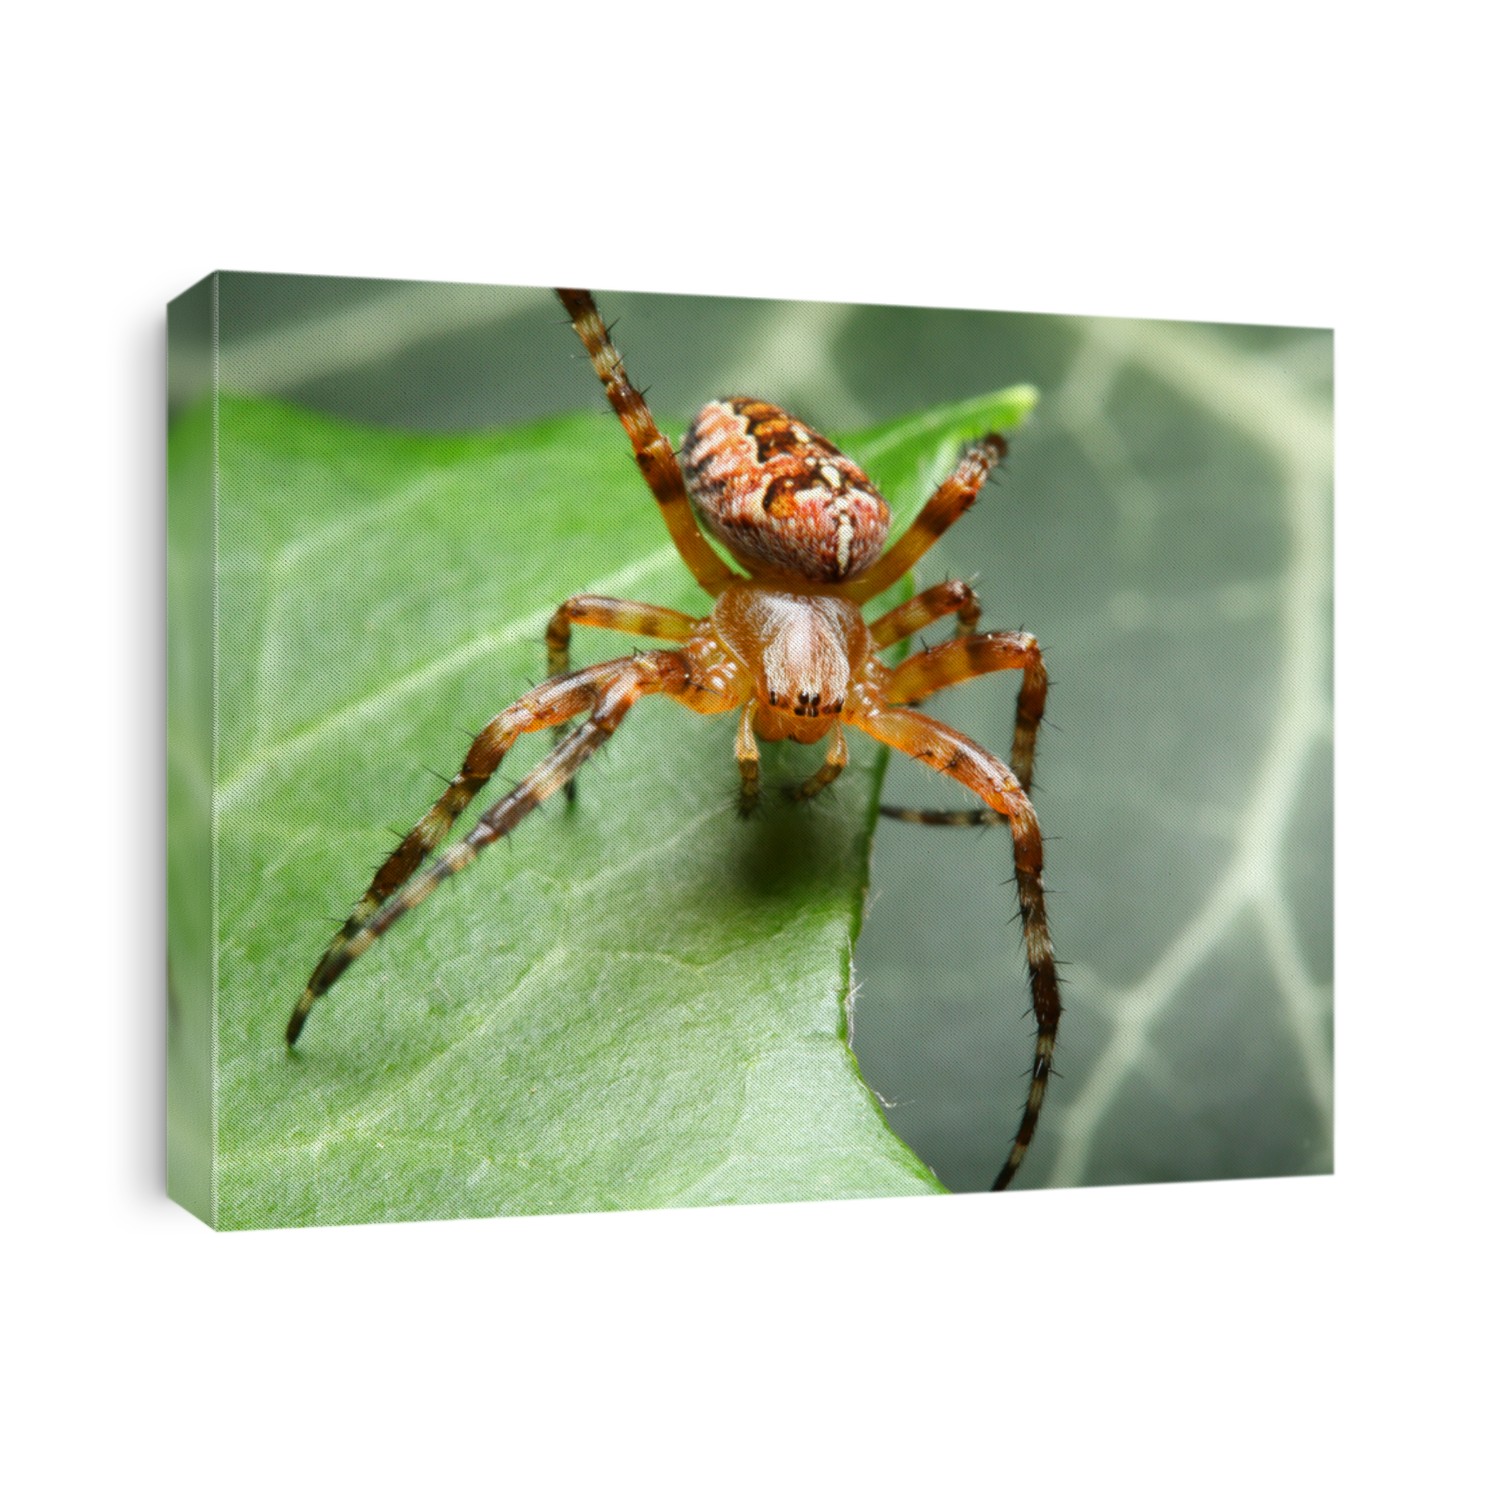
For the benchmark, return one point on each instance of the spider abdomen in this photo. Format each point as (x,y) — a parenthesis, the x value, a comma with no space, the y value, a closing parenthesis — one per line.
(780,496)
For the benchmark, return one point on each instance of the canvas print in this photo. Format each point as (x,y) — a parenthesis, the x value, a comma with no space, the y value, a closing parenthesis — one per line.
(632,751)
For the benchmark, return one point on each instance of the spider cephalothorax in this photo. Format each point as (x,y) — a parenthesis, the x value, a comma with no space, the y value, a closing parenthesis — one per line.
(786,647)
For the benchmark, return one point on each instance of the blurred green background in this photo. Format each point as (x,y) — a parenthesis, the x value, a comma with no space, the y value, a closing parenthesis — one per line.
(1164,526)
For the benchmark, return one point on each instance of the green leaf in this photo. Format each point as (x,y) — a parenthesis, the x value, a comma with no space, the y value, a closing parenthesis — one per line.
(637,1000)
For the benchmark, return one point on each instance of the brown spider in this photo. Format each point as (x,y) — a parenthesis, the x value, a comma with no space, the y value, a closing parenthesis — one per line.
(786,647)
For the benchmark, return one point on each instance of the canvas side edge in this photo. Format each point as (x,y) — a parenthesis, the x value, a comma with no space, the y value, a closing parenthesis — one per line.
(191,493)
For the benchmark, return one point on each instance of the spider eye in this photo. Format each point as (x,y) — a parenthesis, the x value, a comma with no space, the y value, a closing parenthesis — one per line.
(780,496)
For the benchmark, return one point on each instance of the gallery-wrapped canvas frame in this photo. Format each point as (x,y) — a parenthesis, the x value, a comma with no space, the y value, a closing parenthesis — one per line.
(380,493)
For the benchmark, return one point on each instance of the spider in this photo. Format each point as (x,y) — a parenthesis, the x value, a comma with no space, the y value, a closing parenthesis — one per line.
(785,647)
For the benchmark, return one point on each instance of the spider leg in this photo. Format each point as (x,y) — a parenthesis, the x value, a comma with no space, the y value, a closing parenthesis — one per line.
(747,753)
(955,755)
(926,608)
(966,657)
(923,609)
(937,817)
(658,463)
(949,501)
(828,772)
(604,692)
(625,615)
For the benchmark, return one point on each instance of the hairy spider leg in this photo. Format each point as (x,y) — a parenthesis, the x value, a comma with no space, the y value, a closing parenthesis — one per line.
(604,692)
(948,502)
(828,772)
(990,779)
(653,453)
(944,817)
(628,616)
(747,757)
(931,605)
(927,608)
(957,661)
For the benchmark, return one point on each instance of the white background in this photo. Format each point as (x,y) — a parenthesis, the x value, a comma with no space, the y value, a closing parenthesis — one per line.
(1295,164)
